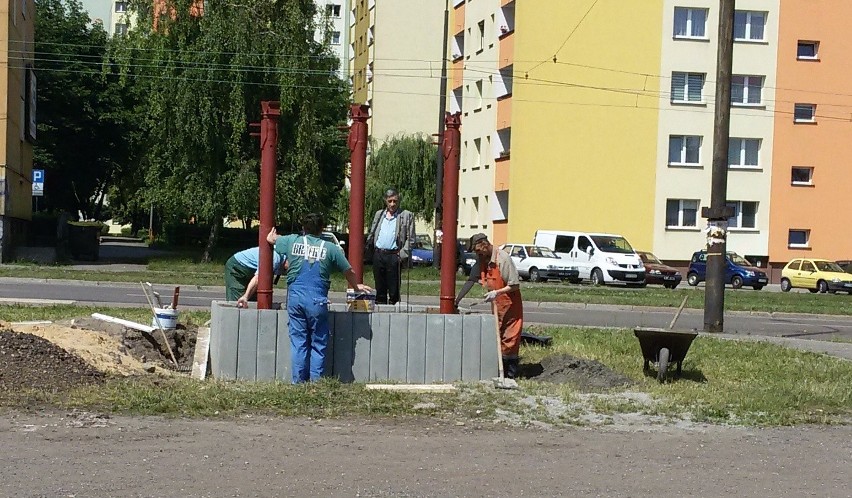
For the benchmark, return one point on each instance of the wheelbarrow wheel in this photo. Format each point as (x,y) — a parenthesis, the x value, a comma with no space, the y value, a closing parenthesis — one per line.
(663,361)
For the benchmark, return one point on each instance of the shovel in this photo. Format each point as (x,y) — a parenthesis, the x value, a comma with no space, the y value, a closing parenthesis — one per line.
(500,382)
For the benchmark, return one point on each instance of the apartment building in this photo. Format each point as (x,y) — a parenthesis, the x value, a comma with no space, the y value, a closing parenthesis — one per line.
(334,17)
(395,64)
(612,113)
(114,15)
(18,86)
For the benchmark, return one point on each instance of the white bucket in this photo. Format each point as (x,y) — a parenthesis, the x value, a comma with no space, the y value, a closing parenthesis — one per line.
(166,317)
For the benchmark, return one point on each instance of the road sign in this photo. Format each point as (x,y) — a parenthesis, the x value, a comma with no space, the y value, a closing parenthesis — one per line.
(38,182)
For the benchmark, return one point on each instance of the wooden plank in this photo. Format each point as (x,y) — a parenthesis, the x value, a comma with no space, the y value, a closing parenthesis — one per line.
(416,370)
(201,354)
(267,343)
(398,347)
(247,345)
(489,349)
(224,329)
(282,356)
(434,359)
(452,348)
(360,340)
(471,347)
(379,346)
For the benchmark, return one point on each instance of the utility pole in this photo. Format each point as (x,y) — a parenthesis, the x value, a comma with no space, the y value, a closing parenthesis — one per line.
(439,156)
(718,213)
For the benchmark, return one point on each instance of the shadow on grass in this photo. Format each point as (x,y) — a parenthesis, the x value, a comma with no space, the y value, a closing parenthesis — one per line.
(692,375)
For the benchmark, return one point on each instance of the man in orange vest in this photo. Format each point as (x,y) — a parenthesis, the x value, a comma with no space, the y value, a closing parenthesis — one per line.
(495,270)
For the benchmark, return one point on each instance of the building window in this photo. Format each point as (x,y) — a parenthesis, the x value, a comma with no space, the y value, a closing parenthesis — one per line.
(690,23)
(744,153)
(798,238)
(458,45)
(802,175)
(332,10)
(681,213)
(121,6)
(477,153)
(745,214)
(685,150)
(687,87)
(807,50)
(804,113)
(478,97)
(120,29)
(746,90)
(335,37)
(481,27)
(749,25)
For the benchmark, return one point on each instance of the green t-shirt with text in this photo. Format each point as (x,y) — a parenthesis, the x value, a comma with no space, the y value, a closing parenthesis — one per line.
(329,256)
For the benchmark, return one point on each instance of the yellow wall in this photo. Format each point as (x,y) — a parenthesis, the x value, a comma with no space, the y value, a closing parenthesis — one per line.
(583,158)
(362,51)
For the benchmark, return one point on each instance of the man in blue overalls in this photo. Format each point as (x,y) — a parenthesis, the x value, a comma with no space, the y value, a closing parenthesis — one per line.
(311,261)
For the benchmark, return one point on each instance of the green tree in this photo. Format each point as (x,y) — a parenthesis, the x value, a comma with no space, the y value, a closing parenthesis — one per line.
(205,77)
(84,133)
(406,163)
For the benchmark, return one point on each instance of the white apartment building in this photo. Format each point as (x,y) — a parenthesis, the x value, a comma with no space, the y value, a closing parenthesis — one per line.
(334,18)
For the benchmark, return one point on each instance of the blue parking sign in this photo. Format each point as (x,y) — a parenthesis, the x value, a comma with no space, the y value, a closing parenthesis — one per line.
(38,182)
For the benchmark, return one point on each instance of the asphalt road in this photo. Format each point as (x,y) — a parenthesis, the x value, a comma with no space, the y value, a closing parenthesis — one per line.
(820,327)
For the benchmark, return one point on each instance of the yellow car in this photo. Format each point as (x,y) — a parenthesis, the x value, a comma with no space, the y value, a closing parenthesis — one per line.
(816,275)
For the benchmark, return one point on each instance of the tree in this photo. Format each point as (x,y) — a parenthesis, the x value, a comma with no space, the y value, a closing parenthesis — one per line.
(206,76)
(406,163)
(84,132)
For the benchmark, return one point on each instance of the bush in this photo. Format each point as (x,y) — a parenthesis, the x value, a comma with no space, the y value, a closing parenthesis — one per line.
(125,232)
(142,233)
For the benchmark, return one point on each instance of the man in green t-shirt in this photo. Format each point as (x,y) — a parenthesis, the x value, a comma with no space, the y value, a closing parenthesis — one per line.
(311,261)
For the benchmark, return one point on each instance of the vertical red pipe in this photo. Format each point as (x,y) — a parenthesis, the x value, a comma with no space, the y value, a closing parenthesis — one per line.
(449,249)
(357,143)
(269,111)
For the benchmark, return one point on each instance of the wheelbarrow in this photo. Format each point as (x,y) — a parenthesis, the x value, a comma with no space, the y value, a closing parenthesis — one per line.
(664,346)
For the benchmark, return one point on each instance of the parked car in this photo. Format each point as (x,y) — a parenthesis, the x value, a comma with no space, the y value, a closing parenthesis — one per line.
(537,264)
(657,272)
(816,275)
(738,272)
(602,258)
(422,252)
(846,265)
(464,259)
(331,237)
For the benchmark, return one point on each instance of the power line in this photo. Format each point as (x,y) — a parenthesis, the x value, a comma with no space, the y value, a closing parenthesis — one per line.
(566,38)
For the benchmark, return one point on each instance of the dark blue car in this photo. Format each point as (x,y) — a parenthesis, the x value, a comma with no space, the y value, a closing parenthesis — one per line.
(739,271)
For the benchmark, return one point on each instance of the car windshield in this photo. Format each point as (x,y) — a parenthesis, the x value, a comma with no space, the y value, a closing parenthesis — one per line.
(649,258)
(608,243)
(738,260)
(423,245)
(540,252)
(828,266)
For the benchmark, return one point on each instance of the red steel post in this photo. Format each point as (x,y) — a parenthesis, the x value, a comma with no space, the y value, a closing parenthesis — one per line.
(357,143)
(452,139)
(270,111)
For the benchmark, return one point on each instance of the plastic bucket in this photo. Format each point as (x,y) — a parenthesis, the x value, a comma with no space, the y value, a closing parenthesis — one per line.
(167,318)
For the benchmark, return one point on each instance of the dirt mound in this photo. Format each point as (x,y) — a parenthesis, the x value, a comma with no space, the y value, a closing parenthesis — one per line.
(586,375)
(31,362)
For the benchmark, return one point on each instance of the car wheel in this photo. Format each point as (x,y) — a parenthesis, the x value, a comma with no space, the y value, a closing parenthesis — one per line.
(786,285)
(822,287)
(534,276)
(597,277)
(737,282)
(692,279)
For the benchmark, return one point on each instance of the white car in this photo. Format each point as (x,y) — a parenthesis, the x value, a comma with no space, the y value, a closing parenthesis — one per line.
(537,264)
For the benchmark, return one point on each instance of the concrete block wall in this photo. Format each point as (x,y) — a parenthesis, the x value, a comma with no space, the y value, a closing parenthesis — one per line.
(397,343)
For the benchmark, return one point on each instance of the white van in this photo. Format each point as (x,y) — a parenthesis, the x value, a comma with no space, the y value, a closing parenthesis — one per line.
(603,258)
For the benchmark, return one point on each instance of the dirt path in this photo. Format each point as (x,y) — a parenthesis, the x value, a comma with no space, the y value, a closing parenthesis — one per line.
(81,454)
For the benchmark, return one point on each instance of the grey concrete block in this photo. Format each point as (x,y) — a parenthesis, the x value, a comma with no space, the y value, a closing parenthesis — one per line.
(247,345)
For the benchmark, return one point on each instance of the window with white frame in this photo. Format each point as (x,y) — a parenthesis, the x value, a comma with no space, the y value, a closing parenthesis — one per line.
(744,153)
(681,213)
(121,7)
(685,150)
(120,29)
(477,153)
(804,113)
(745,214)
(687,87)
(335,37)
(798,237)
(749,25)
(807,50)
(802,175)
(332,10)
(690,23)
(746,90)
(478,97)
(481,27)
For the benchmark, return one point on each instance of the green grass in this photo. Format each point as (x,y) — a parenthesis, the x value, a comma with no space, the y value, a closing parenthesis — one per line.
(740,383)
(11,313)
